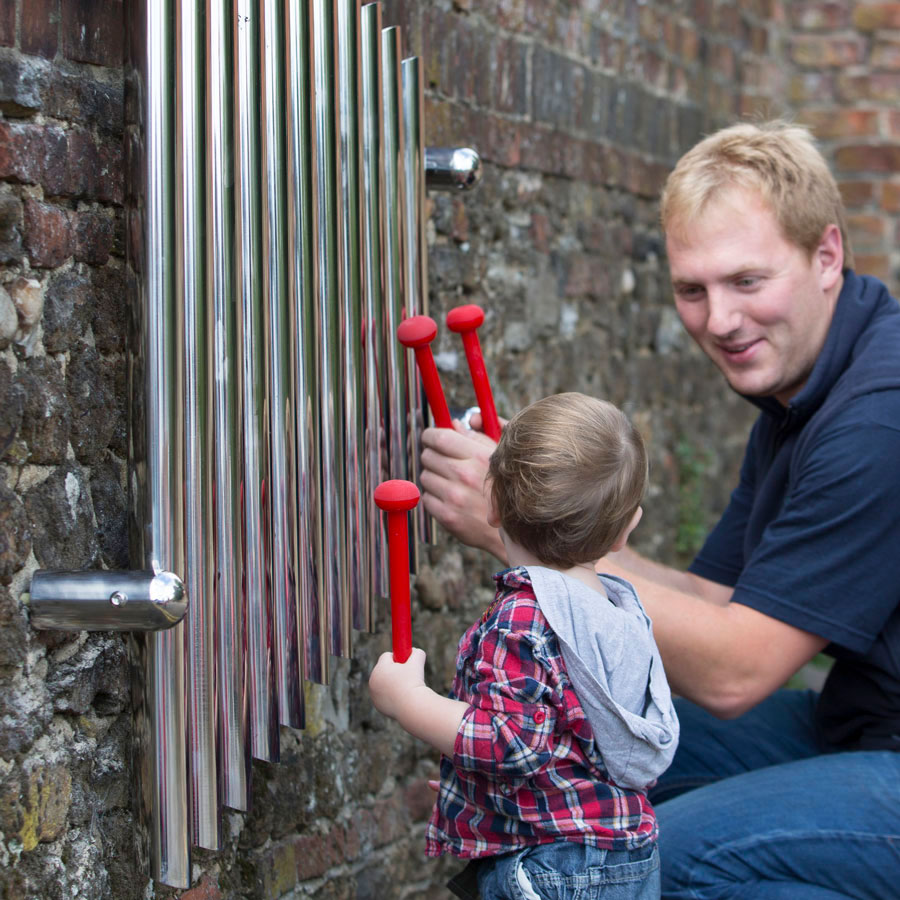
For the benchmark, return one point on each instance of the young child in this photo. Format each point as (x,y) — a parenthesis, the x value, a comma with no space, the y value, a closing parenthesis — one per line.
(560,715)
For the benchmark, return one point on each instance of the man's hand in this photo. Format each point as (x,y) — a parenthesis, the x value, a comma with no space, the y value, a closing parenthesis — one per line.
(391,682)
(454,466)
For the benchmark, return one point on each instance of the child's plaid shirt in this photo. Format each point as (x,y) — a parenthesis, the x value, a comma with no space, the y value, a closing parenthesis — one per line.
(525,767)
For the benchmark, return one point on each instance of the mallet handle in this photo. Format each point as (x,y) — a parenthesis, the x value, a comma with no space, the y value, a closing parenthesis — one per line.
(396,498)
(418,332)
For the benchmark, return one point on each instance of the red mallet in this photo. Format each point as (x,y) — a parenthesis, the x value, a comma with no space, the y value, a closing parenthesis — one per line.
(465,320)
(397,498)
(418,332)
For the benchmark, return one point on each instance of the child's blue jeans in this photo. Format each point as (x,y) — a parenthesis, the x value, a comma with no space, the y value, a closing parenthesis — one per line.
(568,871)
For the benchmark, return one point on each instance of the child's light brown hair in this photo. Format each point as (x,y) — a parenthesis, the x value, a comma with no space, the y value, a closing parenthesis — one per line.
(567,477)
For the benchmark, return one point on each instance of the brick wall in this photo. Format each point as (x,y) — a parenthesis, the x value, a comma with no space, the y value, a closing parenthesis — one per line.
(578,109)
(846,87)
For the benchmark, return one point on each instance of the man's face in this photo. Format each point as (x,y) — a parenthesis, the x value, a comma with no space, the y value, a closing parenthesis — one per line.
(756,304)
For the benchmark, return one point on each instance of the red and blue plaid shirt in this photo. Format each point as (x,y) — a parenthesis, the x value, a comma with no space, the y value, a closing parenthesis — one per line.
(525,767)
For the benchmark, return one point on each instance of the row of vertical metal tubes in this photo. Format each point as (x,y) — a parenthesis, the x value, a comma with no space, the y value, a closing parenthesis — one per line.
(275,241)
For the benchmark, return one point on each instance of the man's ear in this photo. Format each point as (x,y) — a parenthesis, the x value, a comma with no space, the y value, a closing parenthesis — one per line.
(830,256)
(622,539)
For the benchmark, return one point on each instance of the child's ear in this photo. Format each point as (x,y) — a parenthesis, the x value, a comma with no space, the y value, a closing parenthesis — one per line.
(622,539)
(493,519)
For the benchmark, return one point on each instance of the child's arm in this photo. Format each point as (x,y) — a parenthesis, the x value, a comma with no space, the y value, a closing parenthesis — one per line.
(399,691)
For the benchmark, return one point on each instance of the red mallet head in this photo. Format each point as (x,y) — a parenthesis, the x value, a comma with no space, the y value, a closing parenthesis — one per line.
(417,332)
(397,498)
(466,320)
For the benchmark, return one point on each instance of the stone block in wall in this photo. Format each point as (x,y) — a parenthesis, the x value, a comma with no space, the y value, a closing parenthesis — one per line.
(95,414)
(21,80)
(7,24)
(15,534)
(67,309)
(821,51)
(11,227)
(44,432)
(61,518)
(831,123)
(824,15)
(868,158)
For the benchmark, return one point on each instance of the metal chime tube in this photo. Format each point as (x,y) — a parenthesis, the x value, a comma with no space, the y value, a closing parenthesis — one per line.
(303,301)
(231,658)
(374,320)
(156,458)
(327,274)
(254,336)
(357,502)
(281,373)
(400,447)
(415,258)
(191,296)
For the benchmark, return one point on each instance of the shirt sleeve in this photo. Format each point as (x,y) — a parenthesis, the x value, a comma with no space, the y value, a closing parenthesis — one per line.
(828,563)
(508,730)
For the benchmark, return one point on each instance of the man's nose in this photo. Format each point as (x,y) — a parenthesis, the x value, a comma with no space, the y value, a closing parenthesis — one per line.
(725,315)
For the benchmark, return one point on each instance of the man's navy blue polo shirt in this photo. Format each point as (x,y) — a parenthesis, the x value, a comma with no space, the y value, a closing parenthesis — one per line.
(811,535)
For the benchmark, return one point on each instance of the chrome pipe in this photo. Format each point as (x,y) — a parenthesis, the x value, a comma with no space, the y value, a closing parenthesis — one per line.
(327,274)
(394,206)
(156,439)
(374,338)
(349,154)
(416,259)
(231,658)
(451,168)
(313,623)
(254,321)
(101,600)
(289,686)
(190,293)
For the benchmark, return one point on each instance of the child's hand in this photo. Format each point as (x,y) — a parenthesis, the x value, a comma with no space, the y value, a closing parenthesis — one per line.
(391,683)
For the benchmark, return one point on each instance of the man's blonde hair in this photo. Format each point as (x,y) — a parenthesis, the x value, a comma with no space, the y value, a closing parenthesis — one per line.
(567,477)
(778,160)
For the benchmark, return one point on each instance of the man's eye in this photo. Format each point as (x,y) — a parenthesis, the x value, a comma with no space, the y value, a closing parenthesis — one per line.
(689,292)
(747,281)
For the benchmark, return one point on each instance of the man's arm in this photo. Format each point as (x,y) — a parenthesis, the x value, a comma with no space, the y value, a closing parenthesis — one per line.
(724,656)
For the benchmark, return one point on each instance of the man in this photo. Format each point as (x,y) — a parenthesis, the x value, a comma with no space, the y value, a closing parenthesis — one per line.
(804,558)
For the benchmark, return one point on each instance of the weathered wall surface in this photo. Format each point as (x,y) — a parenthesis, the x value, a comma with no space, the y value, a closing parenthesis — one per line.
(579,109)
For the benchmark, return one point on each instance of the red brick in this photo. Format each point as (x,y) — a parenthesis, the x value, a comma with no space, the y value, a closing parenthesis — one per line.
(868,158)
(315,855)
(885,54)
(877,86)
(877,264)
(7,24)
(866,231)
(825,50)
(872,16)
(840,123)
(39,34)
(821,14)
(857,193)
(816,86)
(540,232)
(48,234)
(208,889)
(93,32)
(890,197)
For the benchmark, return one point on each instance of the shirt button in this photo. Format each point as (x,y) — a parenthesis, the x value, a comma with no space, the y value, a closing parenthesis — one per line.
(539,716)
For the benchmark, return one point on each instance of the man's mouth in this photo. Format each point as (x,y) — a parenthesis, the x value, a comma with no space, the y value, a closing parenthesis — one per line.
(738,352)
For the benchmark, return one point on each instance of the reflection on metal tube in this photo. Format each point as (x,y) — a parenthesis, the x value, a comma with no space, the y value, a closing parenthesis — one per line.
(261,665)
(416,258)
(281,375)
(357,502)
(303,301)
(231,658)
(190,292)
(327,208)
(394,207)
(373,327)
(157,431)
